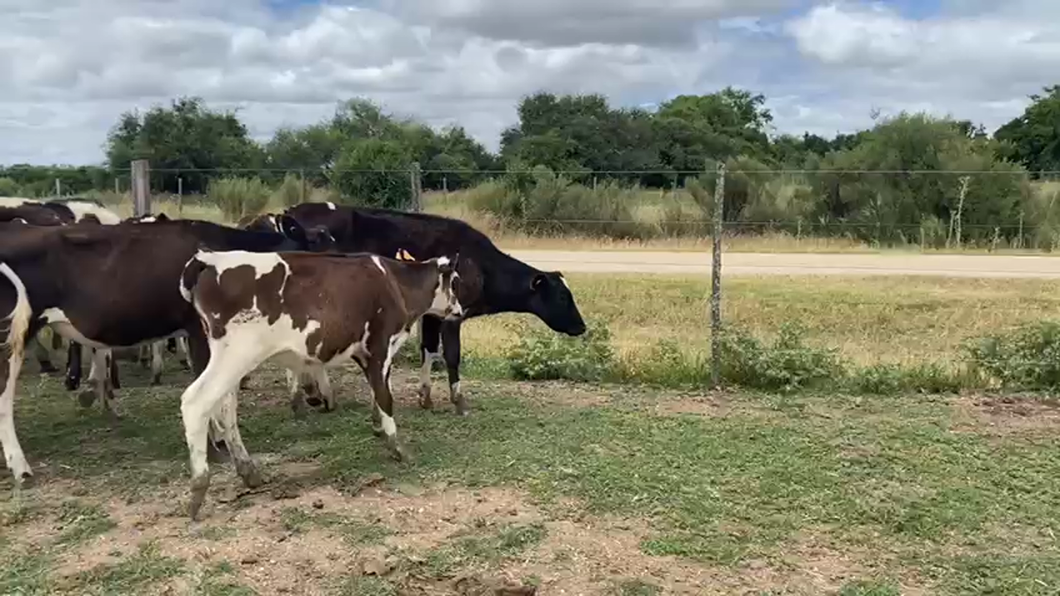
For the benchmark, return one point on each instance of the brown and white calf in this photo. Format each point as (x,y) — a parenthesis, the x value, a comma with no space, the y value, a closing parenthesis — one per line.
(307,312)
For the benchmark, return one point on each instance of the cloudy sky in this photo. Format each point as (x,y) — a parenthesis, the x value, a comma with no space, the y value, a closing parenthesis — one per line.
(68,68)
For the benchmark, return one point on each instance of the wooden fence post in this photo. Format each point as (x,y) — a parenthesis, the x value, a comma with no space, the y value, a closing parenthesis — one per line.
(715,279)
(180,196)
(141,187)
(416,184)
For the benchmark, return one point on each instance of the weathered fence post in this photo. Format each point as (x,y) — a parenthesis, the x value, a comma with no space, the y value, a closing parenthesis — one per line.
(117,185)
(180,196)
(58,188)
(141,187)
(965,180)
(415,183)
(715,279)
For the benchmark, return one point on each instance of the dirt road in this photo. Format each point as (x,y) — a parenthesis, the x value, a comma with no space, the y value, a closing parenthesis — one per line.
(698,263)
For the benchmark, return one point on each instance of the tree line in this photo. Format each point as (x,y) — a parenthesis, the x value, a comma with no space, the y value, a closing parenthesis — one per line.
(365,153)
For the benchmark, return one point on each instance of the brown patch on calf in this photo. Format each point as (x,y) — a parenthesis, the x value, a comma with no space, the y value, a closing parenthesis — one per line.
(239,289)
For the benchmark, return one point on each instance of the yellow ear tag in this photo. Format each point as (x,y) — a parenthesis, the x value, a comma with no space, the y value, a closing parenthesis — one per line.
(403,255)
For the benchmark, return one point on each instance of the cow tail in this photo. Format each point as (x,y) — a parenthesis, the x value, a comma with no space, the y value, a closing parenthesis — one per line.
(190,277)
(20,316)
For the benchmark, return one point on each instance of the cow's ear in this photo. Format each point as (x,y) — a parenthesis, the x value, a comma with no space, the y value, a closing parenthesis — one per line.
(290,227)
(538,282)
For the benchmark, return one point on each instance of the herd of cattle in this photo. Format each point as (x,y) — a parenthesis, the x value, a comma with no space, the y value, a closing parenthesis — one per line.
(314,287)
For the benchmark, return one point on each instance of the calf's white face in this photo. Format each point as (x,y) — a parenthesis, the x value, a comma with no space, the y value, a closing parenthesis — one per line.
(446,302)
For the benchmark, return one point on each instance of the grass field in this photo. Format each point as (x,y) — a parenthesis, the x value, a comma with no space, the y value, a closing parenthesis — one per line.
(577,488)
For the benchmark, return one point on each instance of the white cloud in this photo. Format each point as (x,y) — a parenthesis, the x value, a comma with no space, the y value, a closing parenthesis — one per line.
(978,62)
(68,68)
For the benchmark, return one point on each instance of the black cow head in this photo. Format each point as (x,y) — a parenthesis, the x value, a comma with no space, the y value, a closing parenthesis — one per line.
(552,301)
(297,236)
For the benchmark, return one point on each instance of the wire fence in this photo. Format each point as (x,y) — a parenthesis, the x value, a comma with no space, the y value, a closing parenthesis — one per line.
(750,211)
(988,209)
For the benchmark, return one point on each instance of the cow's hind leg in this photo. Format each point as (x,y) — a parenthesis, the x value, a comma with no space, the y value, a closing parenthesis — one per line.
(244,464)
(378,372)
(200,402)
(156,363)
(19,330)
(99,382)
(44,356)
(451,353)
(73,371)
(430,336)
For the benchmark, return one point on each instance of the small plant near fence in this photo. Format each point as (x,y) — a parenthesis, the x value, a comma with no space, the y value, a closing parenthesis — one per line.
(544,355)
(1026,358)
(786,364)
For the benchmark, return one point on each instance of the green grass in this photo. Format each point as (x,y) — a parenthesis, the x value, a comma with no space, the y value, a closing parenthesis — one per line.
(889,476)
(913,488)
(896,320)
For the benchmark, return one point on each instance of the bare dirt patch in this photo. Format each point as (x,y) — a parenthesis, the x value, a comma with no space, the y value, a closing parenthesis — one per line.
(1008,415)
(313,540)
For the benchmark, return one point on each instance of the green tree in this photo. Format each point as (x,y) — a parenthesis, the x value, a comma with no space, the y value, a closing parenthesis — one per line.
(183,136)
(1033,139)
(900,176)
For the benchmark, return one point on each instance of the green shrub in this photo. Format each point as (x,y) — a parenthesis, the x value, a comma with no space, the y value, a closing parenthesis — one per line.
(888,379)
(9,188)
(667,364)
(786,365)
(290,192)
(237,197)
(543,354)
(544,203)
(374,172)
(1026,358)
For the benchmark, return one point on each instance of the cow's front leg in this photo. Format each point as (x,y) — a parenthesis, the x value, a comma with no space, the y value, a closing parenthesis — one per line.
(451,353)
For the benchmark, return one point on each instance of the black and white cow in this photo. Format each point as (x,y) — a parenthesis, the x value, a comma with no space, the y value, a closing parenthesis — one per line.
(493,282)
(104,287)
(307,312)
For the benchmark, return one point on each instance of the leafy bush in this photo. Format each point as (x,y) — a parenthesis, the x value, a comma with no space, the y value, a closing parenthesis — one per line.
(237,197)
(887,379)
(667,365)
(290,191)
(786,365)
(9,188)
(1026,358)
(543,354)
(544,203)
(374,172)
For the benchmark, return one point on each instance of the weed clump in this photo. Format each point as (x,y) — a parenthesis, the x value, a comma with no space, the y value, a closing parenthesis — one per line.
(544,355)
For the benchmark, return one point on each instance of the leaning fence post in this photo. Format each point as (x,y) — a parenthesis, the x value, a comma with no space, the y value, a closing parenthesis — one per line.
(141,187)
(415,183)
(715,279)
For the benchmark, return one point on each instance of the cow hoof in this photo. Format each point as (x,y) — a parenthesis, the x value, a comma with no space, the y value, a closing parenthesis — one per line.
(86,398)
(426,402)
(199,487)
(314,401)
(460,406)
(26,482)
(71,384)
(377,430)
(250,474)
(156,381)
(396,451)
